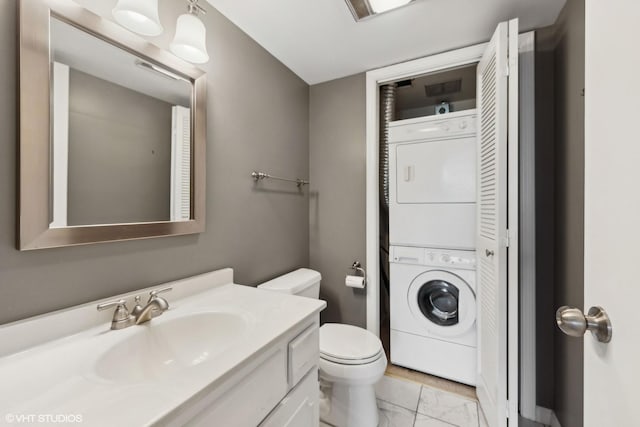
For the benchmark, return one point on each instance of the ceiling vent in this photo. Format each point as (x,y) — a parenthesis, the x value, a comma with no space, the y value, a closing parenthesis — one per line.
(405,83)
(441,89)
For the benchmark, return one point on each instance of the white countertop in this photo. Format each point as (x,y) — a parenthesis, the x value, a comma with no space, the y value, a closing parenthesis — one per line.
(59,377)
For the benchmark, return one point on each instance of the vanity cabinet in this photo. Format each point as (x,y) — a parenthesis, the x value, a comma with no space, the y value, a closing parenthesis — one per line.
(299,408)
(223,355)
(278,388)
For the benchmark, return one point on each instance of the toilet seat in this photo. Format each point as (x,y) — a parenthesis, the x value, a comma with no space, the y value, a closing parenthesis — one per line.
(354,375)
(348,345)
(350,361)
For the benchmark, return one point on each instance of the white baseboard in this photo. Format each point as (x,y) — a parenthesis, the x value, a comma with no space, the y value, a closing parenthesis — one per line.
(547,417)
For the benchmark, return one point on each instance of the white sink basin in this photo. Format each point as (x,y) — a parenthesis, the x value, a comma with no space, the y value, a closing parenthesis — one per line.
(165,347)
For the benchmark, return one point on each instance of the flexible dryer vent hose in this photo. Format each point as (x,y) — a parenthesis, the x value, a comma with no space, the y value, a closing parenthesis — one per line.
(387,115)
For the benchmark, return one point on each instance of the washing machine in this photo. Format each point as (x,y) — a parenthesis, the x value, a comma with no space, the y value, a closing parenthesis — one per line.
(432,181)
(433,311)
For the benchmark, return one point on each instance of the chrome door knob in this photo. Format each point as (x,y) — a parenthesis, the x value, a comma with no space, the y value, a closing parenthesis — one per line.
(574,323)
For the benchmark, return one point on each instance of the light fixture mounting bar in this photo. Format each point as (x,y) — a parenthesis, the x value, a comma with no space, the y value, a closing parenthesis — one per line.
(159,70)
(195,8)
(363,9)
(360,9)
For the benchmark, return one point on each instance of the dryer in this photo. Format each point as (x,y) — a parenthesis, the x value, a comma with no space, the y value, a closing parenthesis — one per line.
(433,311)
(432,181)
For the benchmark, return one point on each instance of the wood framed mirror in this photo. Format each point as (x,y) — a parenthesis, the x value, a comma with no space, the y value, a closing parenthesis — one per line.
(112,132)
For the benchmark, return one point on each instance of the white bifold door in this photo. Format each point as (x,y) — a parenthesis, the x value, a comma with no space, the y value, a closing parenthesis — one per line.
(497,226)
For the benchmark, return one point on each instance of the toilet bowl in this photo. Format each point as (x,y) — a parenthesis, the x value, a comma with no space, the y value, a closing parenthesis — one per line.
(352,360)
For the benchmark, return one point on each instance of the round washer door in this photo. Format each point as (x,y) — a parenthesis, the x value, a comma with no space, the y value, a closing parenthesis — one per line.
(442,302)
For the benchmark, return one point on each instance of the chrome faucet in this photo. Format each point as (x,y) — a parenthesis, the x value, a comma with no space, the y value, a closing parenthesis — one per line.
(154,308)
(123,319)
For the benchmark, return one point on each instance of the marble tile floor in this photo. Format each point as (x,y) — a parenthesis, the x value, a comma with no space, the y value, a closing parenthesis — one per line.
(406,403)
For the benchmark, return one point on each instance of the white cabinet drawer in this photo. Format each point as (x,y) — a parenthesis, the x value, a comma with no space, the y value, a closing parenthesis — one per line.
(300,407)
(251,399)
(304,352)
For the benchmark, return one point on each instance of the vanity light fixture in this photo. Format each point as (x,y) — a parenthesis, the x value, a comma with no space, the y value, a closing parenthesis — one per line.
(139,16)
(189,42)
(362,9)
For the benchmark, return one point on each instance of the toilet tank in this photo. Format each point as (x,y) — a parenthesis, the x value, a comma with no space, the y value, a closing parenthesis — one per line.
(302,282)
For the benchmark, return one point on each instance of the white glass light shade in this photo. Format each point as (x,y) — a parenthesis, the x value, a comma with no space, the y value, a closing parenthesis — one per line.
(380,6)
(189,42)
(139,16)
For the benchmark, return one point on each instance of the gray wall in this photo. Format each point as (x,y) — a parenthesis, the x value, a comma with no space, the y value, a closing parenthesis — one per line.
(560,209)
(545,217)
(257,119)
(338,202)
(119,153)
(569,267)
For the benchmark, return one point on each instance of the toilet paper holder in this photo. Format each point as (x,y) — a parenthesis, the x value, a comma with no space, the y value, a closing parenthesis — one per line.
(357,267)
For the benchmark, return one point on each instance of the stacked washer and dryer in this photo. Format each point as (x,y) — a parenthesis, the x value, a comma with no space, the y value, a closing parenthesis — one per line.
(432,222)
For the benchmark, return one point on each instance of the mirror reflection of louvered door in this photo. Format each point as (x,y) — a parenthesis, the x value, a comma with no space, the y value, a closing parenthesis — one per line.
(181,164)
(492,216)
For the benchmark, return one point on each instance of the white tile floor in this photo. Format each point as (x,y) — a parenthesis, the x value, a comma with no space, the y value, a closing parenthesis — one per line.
(403,403)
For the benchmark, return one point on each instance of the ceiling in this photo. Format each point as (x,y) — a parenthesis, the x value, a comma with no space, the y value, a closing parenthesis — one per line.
(319,40)
(91,55)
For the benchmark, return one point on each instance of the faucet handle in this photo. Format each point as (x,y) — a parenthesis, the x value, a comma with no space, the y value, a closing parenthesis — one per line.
(121,317)
(154,293)
(121,307)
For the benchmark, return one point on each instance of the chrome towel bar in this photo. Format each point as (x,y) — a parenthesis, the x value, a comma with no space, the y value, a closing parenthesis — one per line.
(259,176)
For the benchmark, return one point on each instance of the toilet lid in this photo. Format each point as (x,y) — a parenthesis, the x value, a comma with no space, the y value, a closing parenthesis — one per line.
(348,344)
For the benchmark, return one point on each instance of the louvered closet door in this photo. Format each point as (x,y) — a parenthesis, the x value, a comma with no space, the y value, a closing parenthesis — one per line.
(493,97)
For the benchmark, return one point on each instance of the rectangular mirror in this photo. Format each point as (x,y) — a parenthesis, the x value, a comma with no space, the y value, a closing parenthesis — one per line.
(112,132)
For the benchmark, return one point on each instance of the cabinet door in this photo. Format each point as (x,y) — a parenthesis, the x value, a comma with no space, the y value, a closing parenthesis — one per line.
(300,407)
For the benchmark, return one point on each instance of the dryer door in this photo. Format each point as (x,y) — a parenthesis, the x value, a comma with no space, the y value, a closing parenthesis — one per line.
(443,303)
(436,171)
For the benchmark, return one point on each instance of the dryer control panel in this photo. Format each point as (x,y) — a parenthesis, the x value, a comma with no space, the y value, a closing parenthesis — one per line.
(452,125)
(433,257)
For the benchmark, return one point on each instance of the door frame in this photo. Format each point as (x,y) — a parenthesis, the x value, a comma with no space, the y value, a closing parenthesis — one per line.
(455,58)
(375,78)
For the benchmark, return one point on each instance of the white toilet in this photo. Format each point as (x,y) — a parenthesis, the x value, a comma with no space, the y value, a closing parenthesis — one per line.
(352,360)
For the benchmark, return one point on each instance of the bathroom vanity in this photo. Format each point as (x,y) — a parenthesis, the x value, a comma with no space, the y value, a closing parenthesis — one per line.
(223,354)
